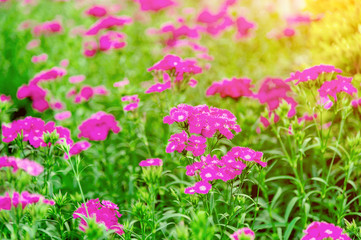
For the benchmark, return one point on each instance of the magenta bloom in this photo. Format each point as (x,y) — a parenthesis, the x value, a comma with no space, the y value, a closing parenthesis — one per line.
(97,127)
(177,33)
(25,198)
(246,154)
(48,75)
(62,115)
(76,78)
(202,187)
(242,234)
(196,145)
(234,88)
(108,22)
(323,230)
(134,102)
(97,11)
(32,130)
(312,73)
(121,83)
(244,27)
(40,58)
(154,5)
(159,87)
(151,162)
(4,98)
(47,28)
(90,48)
(31,167)
(177,142)
(273,91)
(341,84)
(104,213)
(111,40)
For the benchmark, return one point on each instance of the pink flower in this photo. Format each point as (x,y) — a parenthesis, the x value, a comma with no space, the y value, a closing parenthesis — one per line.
(154,5)
(341,84)
(47,28)
(107,22)
(188,190)
(40,58)
(78,148)
(289,32)
(196,145)
(312,73)
(8,162)
(90,48)
(193,83)
(64,63)
(111,40)
(4,98)
(62,115)
(76,78)
(97,11)
(177,142)
(97,127)
(202,187)
(134,102)
(48,75)
(36,94)
(151,162)
(243,233)
(31,167)
(159,87)
(323,230)
(234,88)
(243,27)
(105,213)
(273,91)
(121,83)
(33,44)
(25,198)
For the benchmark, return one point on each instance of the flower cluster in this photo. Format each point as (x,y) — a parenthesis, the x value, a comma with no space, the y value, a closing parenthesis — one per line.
(234,88)
(243,233)
(36,94)
(151,162)
(86,93)
(97,127)
(106,23)
(230,166)
(323,230)
(105,213)
(273,91)
(244,27)
(312,73)
(40,58)
(47,28)
(176,33)
(25,198)
(32,129)
(203,120)
(154,5)
(176,67)
(134,102)
(31,167)
(97,11)
(331,88)
(111,40)
(48,75)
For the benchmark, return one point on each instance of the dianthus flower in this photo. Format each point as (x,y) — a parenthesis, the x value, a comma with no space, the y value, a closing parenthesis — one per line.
(244,27)
(134,102)
(151,162)
(40,58)
(312,73)
(97,127)
(243,233)
(215,23)
(111,40)
(90,48)
(177,33)
(177,67)
(177,142)
(87,92)
(121,83)
(105,213)
(48,75)
(108,22)
(323,230)
(341,84)
(273,91)
(155,5)
(196,145)
(32,130)
(159,87)
(36,94)
(76,78)
(234,88)
(4,98)
(25,198)
(204,120)
(79,147)
(97,11)
(47,28)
